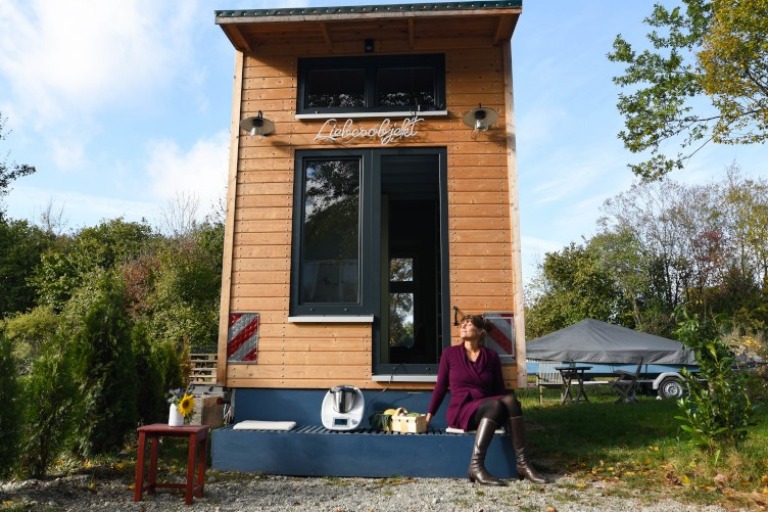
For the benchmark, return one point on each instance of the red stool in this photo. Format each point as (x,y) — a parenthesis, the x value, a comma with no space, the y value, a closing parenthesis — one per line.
(198,453)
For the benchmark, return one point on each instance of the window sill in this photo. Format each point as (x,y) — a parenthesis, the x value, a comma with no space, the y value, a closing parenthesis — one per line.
(331,319)
(373,115)
(404,378)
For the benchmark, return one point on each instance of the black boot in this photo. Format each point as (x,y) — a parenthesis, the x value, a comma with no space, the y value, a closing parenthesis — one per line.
(519,442)
(477,472)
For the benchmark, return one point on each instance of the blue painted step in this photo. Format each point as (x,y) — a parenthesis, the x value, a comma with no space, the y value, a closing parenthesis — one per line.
(317,451)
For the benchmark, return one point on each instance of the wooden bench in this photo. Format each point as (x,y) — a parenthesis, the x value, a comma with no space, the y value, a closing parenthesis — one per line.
(626,384)
(316,451)
(548,377)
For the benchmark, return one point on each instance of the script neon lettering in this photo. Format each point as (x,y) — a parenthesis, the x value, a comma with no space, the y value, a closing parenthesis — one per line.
(386,132)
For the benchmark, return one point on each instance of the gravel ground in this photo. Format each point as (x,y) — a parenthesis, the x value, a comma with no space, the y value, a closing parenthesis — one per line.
(236,492)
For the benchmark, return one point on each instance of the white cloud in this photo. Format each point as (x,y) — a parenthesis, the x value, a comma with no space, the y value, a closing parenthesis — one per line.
(68,57)
(68,152)
(568,176)
(79,209)
(200,172)
(533,251)
(536,126)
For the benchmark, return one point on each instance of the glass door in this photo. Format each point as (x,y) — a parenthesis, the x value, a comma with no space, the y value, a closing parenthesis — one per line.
(413,263)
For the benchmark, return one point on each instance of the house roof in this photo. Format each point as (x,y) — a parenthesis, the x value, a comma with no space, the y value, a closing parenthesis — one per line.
(419,25)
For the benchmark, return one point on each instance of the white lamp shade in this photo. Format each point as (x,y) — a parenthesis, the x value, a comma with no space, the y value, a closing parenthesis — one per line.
(480,118)
(257,125)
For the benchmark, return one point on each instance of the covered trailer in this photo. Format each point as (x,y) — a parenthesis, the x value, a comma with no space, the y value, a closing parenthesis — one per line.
(608,348)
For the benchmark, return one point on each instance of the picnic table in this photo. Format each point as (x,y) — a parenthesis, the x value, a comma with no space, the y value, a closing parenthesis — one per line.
(573,376)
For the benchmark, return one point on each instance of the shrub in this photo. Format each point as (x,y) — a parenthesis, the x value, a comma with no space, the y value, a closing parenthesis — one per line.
(716,410)
(105,367)
(49,398)
(10,411)
(152,406)
(28,332)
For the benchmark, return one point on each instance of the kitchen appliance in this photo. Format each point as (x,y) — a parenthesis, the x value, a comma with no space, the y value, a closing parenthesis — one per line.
(343,408)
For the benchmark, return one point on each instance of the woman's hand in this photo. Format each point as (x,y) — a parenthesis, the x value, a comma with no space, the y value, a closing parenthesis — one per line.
(428,418)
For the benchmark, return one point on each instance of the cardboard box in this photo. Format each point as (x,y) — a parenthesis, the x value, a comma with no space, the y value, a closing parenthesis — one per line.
(409,424)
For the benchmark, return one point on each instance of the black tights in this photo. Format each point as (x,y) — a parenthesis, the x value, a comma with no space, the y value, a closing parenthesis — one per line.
(499,410)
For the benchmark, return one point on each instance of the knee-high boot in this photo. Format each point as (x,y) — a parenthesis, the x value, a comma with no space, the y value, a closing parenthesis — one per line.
(520,442)
(483,437)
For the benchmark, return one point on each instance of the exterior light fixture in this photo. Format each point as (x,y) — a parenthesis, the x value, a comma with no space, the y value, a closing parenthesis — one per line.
(257,125)
(480,118)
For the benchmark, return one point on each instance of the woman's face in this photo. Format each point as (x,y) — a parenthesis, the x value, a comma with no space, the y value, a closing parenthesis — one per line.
(469,331)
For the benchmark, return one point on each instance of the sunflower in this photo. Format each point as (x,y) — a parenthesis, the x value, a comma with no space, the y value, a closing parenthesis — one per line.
(186,405)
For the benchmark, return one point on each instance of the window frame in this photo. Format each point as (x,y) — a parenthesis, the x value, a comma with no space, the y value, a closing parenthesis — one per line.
(371,65)
(369,310)
(368,248)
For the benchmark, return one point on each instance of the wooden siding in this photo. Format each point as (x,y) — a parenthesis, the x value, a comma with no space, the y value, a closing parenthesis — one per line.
(257,273)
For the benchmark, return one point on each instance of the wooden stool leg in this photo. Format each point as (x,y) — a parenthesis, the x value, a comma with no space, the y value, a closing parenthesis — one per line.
(138,485)
(154,441)
(202,462)
(191,454)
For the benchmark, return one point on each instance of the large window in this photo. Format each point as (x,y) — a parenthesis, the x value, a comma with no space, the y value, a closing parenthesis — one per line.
(370,244)
(392,83)
(331,250)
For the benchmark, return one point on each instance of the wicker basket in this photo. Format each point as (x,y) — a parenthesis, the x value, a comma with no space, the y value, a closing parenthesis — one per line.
(409,424)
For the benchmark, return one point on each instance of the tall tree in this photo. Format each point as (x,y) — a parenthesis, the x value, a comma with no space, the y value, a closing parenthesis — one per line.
(9,171)
(659,247)
(105,247)
(21,249)
(702,247)
(703,79)
(10,413)
(574,285)
(104,367)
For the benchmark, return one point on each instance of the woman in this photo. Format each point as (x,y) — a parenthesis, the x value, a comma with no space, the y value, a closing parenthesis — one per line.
(479,400)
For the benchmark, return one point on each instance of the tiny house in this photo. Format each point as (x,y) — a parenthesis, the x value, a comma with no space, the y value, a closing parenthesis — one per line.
(372,201)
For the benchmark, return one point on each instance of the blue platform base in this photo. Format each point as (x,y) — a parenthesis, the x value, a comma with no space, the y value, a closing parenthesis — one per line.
(316,451)
(312,450)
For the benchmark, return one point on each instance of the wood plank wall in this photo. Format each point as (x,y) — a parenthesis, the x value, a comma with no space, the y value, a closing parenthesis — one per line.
(481,277)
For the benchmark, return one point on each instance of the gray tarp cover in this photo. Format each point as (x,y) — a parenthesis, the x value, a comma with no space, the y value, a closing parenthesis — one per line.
(593,341)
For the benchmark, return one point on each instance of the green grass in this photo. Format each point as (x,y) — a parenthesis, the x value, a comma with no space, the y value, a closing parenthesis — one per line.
(639,449)
(633,450)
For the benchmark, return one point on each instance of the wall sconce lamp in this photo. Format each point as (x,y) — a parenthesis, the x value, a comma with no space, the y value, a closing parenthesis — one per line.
(257,125)
(480,118)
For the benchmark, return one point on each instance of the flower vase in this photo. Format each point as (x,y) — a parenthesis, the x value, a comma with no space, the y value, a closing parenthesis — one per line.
(175,419)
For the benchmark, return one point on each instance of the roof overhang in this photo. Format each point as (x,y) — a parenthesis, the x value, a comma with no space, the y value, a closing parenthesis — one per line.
(492,22)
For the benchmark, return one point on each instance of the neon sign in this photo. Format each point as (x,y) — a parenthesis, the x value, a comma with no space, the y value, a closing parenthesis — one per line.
(386,132)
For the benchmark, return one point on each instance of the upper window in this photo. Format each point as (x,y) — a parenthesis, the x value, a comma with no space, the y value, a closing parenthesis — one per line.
(391,83)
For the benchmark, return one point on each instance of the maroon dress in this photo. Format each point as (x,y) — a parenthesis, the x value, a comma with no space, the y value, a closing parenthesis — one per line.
(470,383)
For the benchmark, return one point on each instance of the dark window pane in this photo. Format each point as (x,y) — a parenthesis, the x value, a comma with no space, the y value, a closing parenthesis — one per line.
(406,87)
(401,269)
(335,88)
(330,261)
(371,83)
(401,320)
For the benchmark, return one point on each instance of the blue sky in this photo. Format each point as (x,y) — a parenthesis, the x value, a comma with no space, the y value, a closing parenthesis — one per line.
(124,107)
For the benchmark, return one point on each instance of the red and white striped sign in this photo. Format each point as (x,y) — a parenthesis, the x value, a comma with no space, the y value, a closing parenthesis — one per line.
(502,336)
(243,337)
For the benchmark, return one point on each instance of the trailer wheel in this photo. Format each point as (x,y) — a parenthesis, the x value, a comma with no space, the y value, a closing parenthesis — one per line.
(671,387)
